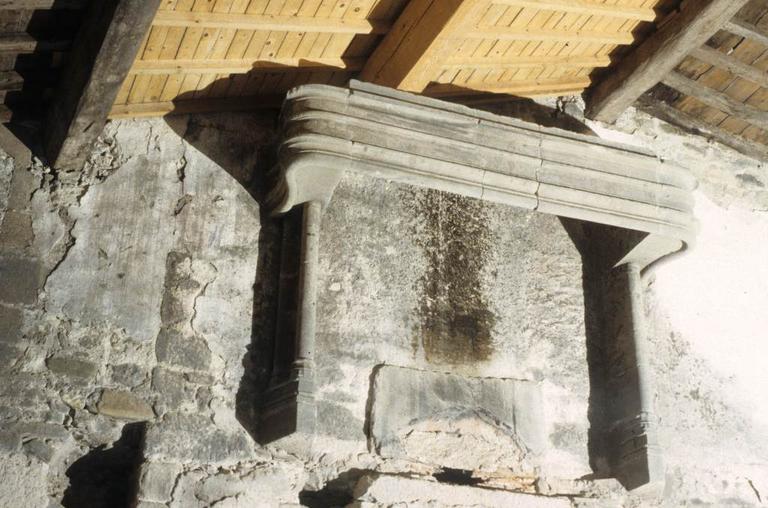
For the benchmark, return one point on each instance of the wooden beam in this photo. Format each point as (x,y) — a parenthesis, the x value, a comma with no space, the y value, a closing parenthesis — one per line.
(691,124)
(716,99)
(747,30)
(539,88)
(190,106)
(641,69)
(104,51)
(269,23)
(32,5)
(731,64)
(502,62)
(587,8)
(409,55)
(242,66)
(491,33)
(22,43)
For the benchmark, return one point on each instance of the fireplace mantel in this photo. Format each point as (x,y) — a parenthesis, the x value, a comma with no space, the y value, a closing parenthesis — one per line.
(382,133)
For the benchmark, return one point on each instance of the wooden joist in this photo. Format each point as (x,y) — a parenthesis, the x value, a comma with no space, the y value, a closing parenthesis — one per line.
(406,57)
(694,125)
(269,23)
(502,62)
(585,7)
(104,51)
(585,36)
(536,88)
(191,106)
(22,43)
(747,30)
(717,100)
(658,55)
(733,65)
(41,4)
(226,66)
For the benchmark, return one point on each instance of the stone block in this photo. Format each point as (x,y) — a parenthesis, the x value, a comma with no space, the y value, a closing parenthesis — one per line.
(157,481)
(194,438)
(124,405)
(188,351)
(72,367)
(16,234)
(11,321)
(455,421)
(39,449)
(19,279)
(172,387)
(386,490)
(128,374)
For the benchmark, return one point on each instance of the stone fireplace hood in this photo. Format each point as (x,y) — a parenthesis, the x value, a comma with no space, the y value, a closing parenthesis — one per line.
(405,138)
(397,136)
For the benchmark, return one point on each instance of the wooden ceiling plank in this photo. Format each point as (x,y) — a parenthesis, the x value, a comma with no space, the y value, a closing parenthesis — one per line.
(716,99)
(747,30)
(106,47)
(408,57)
(731,64)
(230,66)
(659,54)
(271,22)
(505,62)
(502,33)
(584,7)
(695,125)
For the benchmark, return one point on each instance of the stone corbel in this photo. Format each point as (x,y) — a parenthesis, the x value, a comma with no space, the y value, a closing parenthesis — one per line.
(400,137)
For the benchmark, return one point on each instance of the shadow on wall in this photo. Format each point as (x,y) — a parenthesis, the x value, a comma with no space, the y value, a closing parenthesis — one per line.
(225,150)
(107,477)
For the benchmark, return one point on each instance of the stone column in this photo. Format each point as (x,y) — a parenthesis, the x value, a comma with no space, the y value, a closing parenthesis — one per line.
(630,433)
(289,407)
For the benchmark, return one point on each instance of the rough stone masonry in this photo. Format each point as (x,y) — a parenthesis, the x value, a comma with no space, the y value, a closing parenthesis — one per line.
(137,325)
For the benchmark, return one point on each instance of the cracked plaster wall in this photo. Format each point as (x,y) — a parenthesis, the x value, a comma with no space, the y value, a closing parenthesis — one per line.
(145,293)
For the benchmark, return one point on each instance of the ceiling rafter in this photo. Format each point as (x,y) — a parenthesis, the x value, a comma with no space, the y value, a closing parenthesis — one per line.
(658,55)
(418,40)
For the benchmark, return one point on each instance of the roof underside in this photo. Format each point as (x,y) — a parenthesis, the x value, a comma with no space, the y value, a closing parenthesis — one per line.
(239,54)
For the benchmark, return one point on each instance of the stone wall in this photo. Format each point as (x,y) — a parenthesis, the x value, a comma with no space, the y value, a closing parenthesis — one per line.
(137,316)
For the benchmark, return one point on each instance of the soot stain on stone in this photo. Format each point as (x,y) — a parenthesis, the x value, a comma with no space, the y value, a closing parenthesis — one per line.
(456,324)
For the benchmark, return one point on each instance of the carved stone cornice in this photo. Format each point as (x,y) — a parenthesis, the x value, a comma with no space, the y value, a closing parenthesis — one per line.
(397,136)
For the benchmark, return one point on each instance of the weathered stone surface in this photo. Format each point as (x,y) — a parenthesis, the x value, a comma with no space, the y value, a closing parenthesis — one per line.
(157,481)
(181,350)
(19,279)
(455,421)
(194,438)
(379,241)
(38,449)
(385,490)
(16,234)
(128,374)
(124,405)
(172,386)
(72,367)
(11,321)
